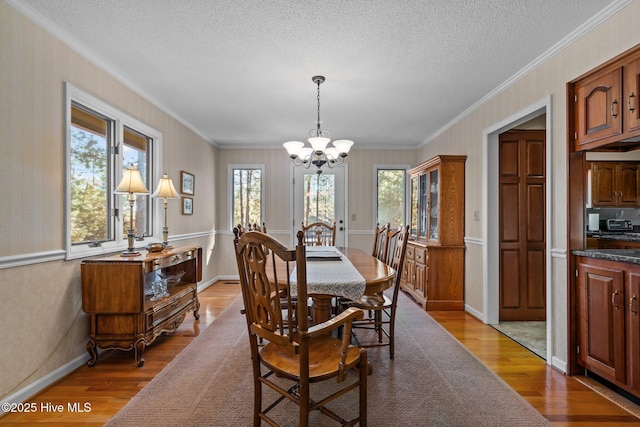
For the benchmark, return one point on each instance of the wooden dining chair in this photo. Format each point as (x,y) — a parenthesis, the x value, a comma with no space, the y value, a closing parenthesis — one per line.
(292,356)
(382,308)
(319,234)
(380,242)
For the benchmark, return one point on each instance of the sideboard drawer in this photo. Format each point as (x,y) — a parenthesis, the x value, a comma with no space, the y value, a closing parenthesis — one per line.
(169,306)
(421,255)
(174,259)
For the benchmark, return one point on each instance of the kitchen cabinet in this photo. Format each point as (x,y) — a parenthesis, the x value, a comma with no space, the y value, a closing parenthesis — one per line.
(609,326)
(601,338)
(433,271)
(606,107)
(598,107)
(132,300)
(614,184)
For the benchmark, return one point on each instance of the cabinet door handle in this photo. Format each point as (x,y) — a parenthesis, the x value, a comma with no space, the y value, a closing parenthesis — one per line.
(613,300)
(614,109)
(631,102)
(631,305)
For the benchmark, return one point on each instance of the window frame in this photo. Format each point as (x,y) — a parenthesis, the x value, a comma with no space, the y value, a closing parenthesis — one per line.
(406,191)
(120,120)
(230,169)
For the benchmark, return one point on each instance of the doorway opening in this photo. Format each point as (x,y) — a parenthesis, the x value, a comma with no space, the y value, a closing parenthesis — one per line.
(540,111)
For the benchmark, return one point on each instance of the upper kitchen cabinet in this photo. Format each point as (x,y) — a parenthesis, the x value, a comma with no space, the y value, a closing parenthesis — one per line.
(631,84)
(606,114)
(614,184)
(598,107)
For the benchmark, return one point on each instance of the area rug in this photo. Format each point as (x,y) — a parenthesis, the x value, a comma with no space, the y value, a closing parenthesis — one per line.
(432,381)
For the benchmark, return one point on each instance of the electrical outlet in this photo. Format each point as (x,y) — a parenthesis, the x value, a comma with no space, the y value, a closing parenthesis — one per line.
(353,217)
(476,215)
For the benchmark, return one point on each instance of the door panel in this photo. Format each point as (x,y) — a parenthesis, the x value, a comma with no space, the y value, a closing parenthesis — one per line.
(522,184)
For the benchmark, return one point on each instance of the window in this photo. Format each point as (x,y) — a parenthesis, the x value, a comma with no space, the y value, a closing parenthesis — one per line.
(101,143)
(319,198)
(246,194)
(391,195)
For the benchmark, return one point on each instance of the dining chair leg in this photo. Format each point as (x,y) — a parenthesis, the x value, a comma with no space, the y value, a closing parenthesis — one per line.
(364,372)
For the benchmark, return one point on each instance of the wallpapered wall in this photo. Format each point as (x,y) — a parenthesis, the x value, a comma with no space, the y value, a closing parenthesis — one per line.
(44,327)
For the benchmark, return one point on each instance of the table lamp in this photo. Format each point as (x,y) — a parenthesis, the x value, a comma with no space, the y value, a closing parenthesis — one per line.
(131,184)
(166,190)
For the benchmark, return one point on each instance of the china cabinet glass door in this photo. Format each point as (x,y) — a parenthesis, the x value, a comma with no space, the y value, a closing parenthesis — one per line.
(434,188)
(414,206)
(423,203)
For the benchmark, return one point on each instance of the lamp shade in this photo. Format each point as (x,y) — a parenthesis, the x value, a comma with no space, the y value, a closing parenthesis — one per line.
(165,188)
(131,183)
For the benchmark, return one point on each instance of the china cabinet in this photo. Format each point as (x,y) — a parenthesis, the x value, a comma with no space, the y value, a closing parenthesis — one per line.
(132,300)
(433,272)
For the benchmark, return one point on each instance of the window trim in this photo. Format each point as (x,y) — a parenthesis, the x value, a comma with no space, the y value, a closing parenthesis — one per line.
(230,169)
(407,190)
(121,119)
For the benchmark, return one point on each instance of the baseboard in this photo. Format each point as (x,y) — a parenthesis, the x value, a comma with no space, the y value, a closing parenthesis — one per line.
(559,364)
(52,377)
(472,311)
(44,382)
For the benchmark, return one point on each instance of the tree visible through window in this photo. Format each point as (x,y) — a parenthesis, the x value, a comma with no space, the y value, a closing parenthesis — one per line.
(391,196)
(319,198)
(247,196)
(101,143)
(90,139)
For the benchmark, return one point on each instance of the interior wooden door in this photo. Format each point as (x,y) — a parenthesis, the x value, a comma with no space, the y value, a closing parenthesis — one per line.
(522,186)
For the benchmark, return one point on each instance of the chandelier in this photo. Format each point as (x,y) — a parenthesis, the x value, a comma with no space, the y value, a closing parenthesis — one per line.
(318,154)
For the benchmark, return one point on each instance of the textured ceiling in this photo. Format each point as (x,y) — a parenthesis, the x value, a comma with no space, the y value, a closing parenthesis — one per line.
(239,71)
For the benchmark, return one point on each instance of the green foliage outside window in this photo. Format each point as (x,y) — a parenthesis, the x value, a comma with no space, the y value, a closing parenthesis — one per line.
(319,198)
(247,196)
(88,187)
(391,195)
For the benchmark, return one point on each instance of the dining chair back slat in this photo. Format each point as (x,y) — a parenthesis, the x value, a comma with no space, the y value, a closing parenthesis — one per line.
(380,242)
(319,234)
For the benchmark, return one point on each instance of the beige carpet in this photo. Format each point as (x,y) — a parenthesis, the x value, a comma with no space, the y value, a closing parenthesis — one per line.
(433,381)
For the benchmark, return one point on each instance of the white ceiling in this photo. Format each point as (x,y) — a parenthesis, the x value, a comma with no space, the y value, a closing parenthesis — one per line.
(239,72)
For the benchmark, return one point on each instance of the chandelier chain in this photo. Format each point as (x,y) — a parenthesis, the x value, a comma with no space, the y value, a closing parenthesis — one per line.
(318,122)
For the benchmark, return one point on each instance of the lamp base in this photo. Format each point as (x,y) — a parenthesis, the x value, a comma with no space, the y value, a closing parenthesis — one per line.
(130,253)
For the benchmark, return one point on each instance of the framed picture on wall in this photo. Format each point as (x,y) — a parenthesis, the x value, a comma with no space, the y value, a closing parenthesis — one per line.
(187,182)
(187,205)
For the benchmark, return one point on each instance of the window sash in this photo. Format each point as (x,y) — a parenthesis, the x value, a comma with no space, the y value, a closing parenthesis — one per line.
(398,198)
(125,134)
(240,211)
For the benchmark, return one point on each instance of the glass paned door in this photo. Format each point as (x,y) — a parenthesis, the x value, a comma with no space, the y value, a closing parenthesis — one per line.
(320,198)
(433,204)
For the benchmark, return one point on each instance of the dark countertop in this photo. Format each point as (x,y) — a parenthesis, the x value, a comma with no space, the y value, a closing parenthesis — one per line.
(620,255)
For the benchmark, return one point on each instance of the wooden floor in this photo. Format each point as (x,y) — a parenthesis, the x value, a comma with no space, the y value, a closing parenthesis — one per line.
(114,380)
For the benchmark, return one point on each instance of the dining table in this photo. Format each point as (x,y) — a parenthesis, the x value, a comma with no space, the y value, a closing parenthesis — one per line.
(376,275)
